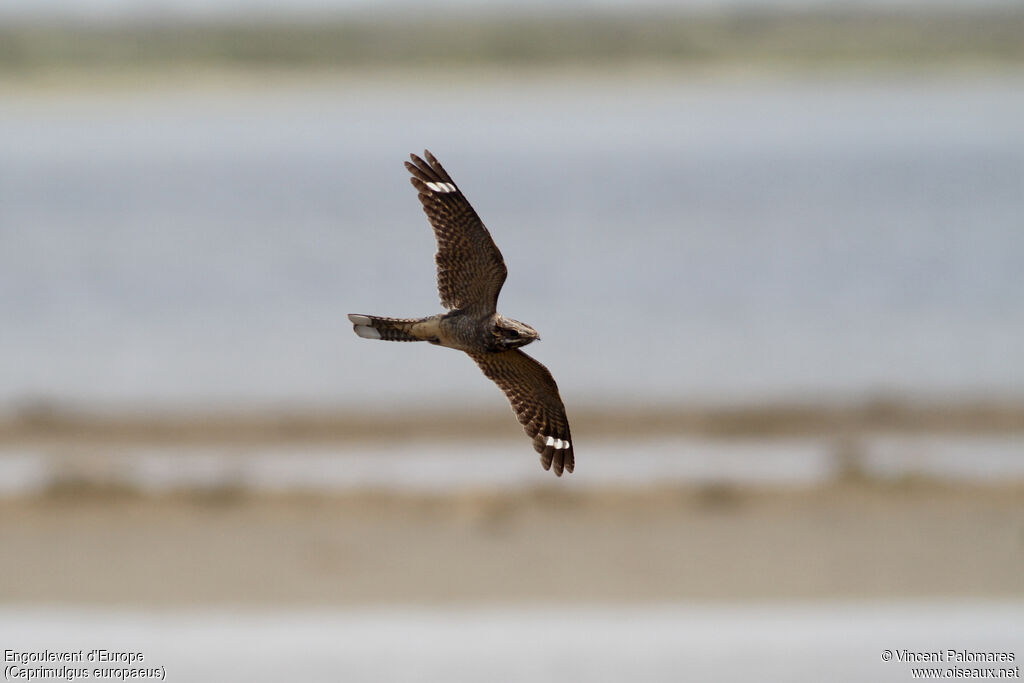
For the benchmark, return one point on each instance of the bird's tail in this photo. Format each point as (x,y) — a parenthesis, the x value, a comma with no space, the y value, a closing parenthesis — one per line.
(388,329)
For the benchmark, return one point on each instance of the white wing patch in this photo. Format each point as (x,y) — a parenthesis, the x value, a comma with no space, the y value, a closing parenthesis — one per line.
(441,187)
(557,443)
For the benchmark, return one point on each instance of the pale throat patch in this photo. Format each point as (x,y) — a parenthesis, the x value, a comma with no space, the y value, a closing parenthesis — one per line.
(441,187)
(557,443)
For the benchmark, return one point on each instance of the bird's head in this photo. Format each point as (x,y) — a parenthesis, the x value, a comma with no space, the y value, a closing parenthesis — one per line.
(511,334)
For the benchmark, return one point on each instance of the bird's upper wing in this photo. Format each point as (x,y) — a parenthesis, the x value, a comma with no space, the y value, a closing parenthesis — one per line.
(532,391)
(470,269)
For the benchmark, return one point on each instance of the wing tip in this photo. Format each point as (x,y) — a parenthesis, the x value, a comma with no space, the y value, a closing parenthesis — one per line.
(563,460)
(427,168)
(556,454)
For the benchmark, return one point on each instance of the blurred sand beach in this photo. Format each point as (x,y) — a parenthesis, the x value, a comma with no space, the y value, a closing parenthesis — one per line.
(850,541)
(450,521)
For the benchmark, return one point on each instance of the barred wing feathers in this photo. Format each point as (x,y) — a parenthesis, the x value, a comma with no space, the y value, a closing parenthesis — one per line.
(534,396)
(470,269)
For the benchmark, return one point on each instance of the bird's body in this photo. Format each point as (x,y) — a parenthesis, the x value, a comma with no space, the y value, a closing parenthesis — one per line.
(470,273)
(456,330)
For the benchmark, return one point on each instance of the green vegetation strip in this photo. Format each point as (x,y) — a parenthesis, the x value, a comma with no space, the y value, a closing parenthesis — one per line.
(786,38)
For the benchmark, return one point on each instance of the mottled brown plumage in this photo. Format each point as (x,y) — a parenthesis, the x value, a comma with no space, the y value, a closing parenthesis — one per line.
(532,391)
(470,274)
(470,269)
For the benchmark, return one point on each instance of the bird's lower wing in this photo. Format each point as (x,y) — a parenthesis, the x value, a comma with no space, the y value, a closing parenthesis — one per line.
(534,396)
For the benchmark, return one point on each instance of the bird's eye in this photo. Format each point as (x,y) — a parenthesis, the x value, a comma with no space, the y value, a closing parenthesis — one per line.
(513,333)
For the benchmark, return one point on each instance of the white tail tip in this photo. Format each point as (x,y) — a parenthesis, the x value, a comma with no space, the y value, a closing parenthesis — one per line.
(367,332)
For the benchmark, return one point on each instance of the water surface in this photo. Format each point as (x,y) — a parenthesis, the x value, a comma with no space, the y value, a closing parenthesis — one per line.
(671,239)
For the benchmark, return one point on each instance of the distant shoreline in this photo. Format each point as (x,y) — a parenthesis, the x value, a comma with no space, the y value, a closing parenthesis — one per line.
(804,39)
(44,423)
